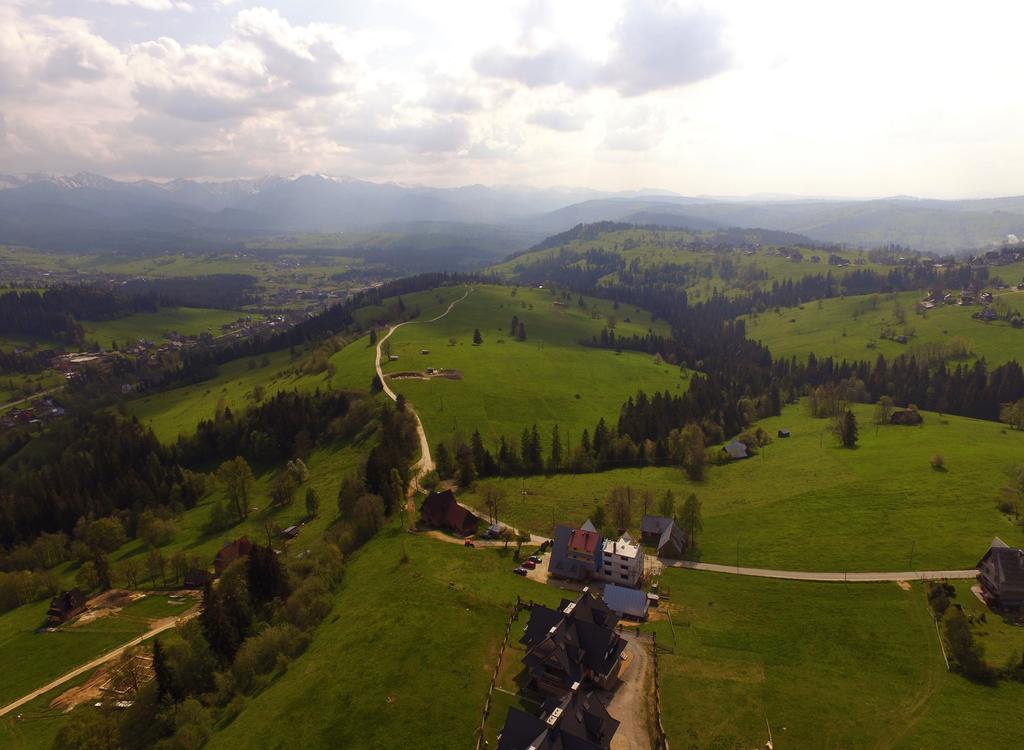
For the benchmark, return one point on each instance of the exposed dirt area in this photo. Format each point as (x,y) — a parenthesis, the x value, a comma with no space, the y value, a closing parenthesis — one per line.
(447,374)
(105,604)
(903,585)
(633,703)
(87,692)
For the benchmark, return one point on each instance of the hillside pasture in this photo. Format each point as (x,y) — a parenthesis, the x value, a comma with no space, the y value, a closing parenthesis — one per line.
(850,328)
(185,321)
(403,639)
(806,504)
(508,385)
(826,665)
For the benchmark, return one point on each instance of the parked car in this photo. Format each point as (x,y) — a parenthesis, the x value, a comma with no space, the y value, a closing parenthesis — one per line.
(469,543)
(529,564)
(520,571)
(535,559)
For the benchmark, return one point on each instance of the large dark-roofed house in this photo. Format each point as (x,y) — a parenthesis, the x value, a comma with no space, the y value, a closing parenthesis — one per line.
(65,605)
(736,450)
(572,645)
(441,510)
(576,721)
(1001,574)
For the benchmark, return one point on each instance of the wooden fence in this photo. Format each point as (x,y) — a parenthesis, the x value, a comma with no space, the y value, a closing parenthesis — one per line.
(518,607)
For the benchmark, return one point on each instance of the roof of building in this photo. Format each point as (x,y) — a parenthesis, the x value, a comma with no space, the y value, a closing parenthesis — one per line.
(231,551)
(581,540)
(575,638)
(588,525)
(1007,563)
(629,602)
(736,449)
(654,524)
(672,537)
(441,509)
(560,564)
(622,547)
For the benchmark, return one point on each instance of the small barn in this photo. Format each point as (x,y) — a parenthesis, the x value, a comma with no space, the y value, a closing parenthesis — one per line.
(64,606)
(625,602)
(290,533)
(784,433)
(909,417)
(736,450)
(196,578)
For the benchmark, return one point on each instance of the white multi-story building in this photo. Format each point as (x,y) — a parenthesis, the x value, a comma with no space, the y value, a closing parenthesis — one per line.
(622,562)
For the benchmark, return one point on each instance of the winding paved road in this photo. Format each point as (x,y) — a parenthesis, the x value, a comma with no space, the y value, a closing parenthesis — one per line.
(426,463)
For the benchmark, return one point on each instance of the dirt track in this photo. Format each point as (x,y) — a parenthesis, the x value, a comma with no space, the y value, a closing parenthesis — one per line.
(426,463)
(158,627)
(632,702)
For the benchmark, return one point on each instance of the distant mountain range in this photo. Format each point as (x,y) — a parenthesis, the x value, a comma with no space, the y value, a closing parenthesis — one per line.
(88,212)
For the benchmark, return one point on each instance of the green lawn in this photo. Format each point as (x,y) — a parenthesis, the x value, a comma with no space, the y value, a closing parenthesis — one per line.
(32,658)
(828,665)
(403,659)
(1002,640)
(14,387)
(34,726)
(806,504)
(506,384)
(186,321)
(843,327)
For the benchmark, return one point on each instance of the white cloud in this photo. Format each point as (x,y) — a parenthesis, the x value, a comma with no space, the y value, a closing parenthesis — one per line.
(156,5)
(733,97)
(557,119)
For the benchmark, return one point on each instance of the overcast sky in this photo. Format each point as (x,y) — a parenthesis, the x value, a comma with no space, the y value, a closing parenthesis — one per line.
(826,98)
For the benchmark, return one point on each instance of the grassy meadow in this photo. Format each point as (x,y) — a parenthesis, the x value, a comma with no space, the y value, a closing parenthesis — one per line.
(843,328)
(806,504)
(653,248)
(507,384)
(403,659)
(186,321)
(32,659)
(828,665)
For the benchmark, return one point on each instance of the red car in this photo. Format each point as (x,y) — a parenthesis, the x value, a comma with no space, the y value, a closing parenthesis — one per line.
(529,564)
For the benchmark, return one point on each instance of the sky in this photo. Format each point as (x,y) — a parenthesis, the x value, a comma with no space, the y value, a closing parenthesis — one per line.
(743,97)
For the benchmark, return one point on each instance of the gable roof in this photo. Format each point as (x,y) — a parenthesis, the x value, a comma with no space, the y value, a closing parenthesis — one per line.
(560,564)
(588,525)
(581,540)
(1007,564)
(673,539)
(736,449)
(654,524)
(441,509)
(231,551)
(625,601)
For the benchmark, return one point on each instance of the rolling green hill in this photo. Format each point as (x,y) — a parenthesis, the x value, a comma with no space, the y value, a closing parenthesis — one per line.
(851,328)
(507,385)
(806,504)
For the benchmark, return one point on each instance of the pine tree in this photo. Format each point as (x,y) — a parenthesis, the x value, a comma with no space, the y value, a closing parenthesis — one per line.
(162,673)
(555,460)
(477,338)
(521,332)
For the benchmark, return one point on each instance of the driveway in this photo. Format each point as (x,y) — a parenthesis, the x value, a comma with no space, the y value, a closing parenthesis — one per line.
(632,704)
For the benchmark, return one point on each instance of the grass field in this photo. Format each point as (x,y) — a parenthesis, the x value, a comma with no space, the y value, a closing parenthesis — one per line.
(186,321)
(830,328)
(654,248)
(506,384)
(34,726)
(806,504)
(32,659)
(828,665)
(14,387)
(403,659)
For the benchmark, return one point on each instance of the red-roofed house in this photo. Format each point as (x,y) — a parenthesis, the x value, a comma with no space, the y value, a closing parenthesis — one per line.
(230,552)
(441,510)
